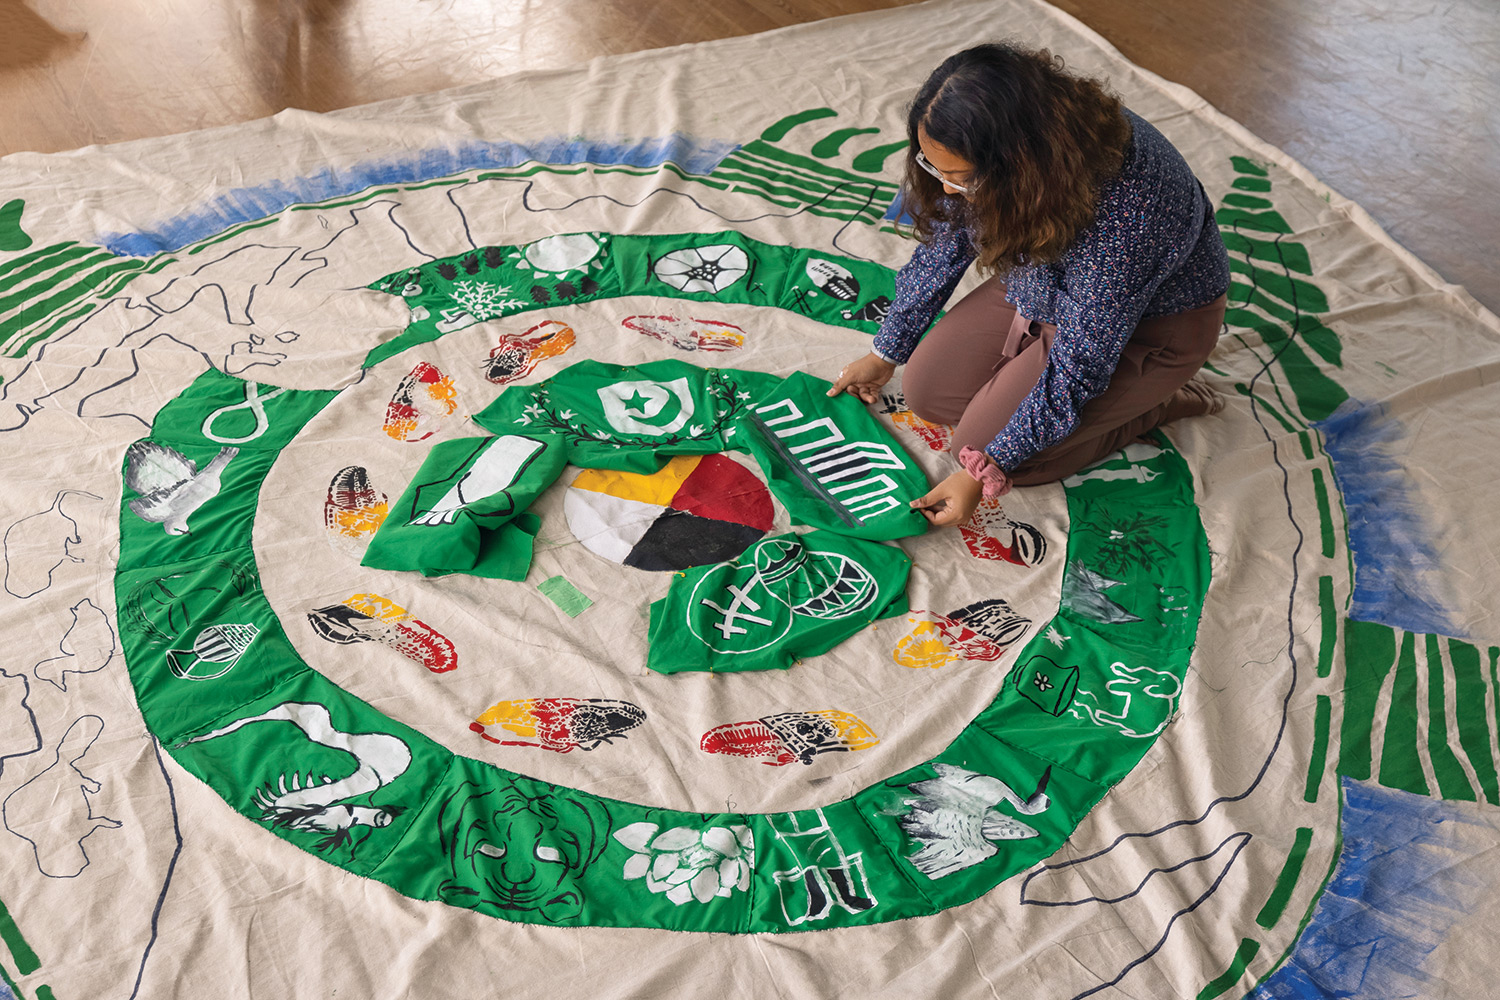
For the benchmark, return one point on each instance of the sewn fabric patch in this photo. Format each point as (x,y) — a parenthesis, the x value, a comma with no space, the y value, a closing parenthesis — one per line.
(790,596)
(465,510)
(624,417)
(831,463)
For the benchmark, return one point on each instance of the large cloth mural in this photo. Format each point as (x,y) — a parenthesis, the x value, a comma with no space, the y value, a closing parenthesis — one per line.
(432,567)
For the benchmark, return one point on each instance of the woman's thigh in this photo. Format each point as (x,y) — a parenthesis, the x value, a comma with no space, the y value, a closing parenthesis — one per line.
(959,354)
(1163,353)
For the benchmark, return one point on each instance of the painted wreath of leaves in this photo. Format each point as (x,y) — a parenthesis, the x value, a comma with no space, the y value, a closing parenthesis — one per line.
(540,415)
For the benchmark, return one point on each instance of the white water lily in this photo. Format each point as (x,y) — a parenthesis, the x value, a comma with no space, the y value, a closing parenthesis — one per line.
(684,863)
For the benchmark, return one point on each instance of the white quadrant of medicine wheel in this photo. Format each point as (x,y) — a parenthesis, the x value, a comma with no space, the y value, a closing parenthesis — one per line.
(607,525)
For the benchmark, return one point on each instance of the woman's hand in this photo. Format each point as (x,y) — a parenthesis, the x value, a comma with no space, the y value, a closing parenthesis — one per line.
(951,501)
(863,378)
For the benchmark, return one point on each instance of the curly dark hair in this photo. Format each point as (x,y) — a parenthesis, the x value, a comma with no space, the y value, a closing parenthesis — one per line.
(1042,141)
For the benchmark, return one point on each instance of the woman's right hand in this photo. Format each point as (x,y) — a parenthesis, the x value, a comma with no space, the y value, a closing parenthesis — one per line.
(863,378)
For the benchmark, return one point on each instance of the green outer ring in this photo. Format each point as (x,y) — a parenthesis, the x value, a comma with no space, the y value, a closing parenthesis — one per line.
(856,844)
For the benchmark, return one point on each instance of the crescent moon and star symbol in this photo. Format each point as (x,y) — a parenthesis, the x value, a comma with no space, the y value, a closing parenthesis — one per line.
(645,407)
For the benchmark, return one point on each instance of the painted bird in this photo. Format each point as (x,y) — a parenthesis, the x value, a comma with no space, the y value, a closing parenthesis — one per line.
(956,822)
(170,485)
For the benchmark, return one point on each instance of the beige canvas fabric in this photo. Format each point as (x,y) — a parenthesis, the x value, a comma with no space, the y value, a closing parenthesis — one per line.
(127,877)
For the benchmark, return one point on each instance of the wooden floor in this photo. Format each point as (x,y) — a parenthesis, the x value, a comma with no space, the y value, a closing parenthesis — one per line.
(1393,103)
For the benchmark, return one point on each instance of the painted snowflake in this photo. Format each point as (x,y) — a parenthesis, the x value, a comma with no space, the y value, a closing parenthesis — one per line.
(483,301)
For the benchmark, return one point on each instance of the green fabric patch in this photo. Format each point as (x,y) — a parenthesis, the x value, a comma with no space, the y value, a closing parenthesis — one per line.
(629,418)
(566,596)
(790,596)
(464,511)
(832,464)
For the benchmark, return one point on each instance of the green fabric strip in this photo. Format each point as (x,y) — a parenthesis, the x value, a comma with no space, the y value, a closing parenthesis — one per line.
(1473,722)
(569,598)
(1453,782)
(1221,984)
(1286,882)
(1325,514)
(1369,653)
(1400,763)
(25,958)
(1318,760)
(1329,621)
(492,282)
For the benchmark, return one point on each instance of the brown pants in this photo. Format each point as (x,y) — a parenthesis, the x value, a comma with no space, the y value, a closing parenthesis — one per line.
(981,359)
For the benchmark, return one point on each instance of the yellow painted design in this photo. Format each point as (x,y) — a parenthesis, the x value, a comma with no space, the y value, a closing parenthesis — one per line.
(657,488)
(714,336)
(360,522)
(558,343)
(445,392)
(399,429)
(852,730)
(923,646)
(378,607)
(513,715)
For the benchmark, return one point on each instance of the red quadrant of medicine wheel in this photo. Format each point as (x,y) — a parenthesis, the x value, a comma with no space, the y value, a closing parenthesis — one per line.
(724,490)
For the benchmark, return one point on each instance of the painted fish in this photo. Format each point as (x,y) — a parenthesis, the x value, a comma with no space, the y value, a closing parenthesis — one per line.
(979,631)
(518,354)
(353,509)
(372,618)
(989,534)
(938,437)
(560,724)
(424,398)
(790,736)
(688,334)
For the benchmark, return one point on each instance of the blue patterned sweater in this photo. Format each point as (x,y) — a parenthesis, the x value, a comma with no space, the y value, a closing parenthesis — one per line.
(1153,249)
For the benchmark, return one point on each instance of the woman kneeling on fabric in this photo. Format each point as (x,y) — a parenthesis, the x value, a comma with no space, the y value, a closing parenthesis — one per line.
(1106,287)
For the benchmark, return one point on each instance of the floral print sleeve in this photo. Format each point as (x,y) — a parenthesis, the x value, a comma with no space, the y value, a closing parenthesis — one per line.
(923,285)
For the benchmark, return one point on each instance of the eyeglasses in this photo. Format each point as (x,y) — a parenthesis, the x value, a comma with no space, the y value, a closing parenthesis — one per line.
(934,171)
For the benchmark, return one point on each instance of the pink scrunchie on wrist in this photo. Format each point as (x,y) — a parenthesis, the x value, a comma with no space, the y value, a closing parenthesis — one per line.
(989,475)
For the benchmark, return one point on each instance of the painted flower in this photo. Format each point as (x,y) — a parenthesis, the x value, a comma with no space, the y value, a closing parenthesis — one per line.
(685,863)
(703,269)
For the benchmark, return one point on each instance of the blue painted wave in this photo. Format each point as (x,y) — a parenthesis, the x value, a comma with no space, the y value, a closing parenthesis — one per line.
(1401,883)
(1398,578)
(250,204)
